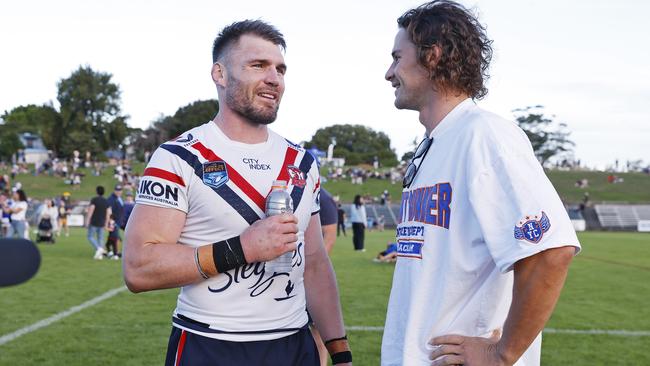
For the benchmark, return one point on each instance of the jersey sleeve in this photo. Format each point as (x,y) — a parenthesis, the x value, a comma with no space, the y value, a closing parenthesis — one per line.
(164,182)
(314,176)
(517,207)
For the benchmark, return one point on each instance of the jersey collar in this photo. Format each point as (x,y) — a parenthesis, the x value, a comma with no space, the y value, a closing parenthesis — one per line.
(452,118)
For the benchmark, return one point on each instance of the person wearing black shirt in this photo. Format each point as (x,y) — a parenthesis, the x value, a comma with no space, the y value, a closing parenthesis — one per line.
(97,218)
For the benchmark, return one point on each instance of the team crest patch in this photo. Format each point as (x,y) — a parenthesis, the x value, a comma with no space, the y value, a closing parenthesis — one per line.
(215,174)
(532,230)
(297,176)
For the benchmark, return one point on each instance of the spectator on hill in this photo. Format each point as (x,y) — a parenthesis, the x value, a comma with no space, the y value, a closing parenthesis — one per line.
(97,218)
(359,221)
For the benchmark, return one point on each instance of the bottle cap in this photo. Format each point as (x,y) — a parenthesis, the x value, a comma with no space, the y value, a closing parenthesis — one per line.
(279,184)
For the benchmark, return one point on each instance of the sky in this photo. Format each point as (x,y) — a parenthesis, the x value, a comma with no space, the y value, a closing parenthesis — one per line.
(586,62)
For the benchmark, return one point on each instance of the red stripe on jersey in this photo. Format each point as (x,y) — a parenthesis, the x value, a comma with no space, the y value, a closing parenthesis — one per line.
(181,345)
(289,158)
(317,184)
(159,173)
(234,176)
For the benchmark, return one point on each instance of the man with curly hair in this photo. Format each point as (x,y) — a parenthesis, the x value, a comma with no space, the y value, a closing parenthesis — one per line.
(483,240)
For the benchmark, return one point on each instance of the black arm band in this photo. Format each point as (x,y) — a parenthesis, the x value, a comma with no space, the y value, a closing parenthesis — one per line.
(341,357)
(228,254)
(344,338)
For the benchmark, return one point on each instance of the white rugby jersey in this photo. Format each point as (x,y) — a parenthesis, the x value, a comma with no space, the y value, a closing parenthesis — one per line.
(222,186)
(479,203)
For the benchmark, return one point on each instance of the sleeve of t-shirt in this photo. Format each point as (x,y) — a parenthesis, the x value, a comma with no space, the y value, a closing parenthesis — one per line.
(164,182)
(328,210)
(517,207)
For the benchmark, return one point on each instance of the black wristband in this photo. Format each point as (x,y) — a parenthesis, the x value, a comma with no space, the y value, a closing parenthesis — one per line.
(228,254)
(341,357)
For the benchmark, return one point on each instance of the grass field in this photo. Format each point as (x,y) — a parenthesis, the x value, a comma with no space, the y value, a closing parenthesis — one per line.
(608,289)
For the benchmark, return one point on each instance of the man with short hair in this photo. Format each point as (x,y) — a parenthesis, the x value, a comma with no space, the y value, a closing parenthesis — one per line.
(199,223)
(483,240)
(97,217)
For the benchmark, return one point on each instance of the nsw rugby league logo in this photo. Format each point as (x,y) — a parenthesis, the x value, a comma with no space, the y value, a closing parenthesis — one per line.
(215,174)
(532,230)
(297,176)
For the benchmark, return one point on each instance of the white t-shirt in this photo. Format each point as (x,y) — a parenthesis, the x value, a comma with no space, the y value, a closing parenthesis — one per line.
(479,203)
(358,214)
(19,216)
(222,184)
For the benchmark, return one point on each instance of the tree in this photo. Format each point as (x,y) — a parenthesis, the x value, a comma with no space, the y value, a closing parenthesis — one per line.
(91,118)
(39,120)
(549,139)
(409,154)
(356,143)
(186,117)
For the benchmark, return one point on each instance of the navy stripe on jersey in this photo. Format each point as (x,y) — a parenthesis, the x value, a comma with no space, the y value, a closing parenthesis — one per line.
(305,165)
(224,191)
(201,327)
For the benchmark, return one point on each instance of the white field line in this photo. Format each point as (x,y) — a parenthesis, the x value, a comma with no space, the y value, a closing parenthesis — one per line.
(56,317)
(624,333)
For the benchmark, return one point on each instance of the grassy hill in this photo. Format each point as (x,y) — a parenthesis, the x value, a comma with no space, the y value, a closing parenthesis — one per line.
(635,187)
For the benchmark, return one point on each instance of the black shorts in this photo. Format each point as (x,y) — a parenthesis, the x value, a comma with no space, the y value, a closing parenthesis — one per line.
(190,349)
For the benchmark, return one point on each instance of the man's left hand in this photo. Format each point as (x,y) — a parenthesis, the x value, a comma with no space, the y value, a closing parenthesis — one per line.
(455,349)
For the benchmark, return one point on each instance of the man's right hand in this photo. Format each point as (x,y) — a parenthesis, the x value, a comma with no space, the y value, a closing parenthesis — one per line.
(270,237)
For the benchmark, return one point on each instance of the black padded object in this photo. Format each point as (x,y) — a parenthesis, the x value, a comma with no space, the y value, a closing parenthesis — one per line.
(19,261)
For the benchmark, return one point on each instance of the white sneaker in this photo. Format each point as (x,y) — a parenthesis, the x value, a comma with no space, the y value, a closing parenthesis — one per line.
(99,253)
(110,254)
(115,257)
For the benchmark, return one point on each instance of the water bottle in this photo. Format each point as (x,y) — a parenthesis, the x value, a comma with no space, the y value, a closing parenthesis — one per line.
(277,202)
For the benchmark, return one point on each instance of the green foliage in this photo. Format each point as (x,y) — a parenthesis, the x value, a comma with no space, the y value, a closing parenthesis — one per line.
(91,118)
(185,118)
(9,144)
(42,120)
(356,143)
(547,139)
(607,288)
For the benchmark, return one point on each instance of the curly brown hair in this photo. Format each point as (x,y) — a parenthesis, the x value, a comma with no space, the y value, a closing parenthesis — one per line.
(466,50)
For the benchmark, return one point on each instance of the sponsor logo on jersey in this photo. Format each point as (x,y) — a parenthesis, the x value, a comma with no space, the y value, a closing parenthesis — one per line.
(158,192)
(259,282)
(296,176)
(254,164)
(410,240)
(215,174)
(531,229)
(428,205)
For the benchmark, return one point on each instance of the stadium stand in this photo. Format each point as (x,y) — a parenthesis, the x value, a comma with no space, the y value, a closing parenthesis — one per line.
(621,217)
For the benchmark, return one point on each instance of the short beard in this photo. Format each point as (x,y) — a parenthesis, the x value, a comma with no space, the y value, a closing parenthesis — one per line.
(237,100)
